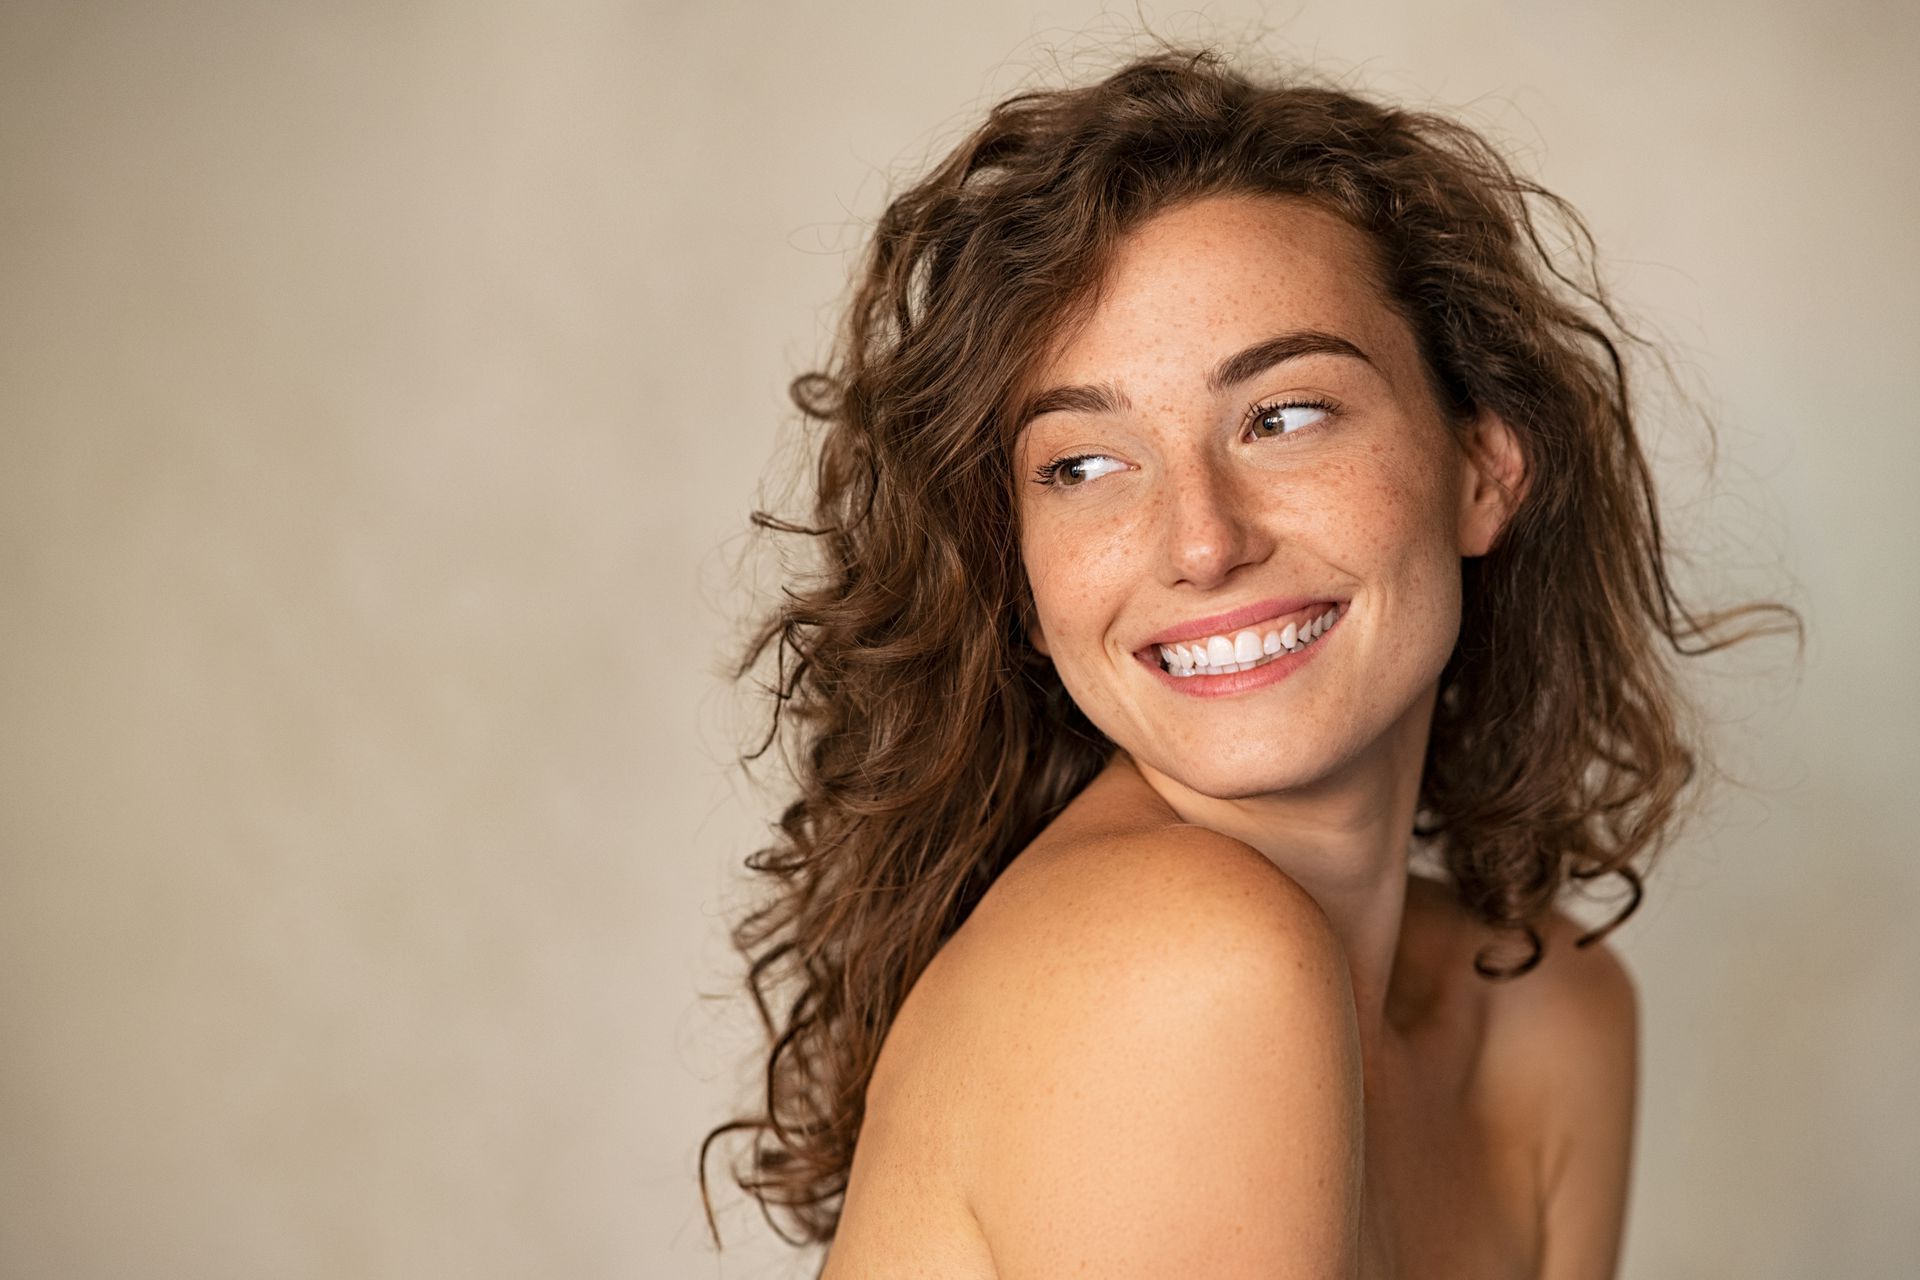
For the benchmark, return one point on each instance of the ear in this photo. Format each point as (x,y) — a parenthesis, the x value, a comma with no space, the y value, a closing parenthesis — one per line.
(1492,483)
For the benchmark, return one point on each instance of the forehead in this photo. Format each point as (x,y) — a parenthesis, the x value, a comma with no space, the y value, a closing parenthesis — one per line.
(1212,274)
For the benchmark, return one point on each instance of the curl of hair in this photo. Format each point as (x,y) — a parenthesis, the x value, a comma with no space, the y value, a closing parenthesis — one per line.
(930,742)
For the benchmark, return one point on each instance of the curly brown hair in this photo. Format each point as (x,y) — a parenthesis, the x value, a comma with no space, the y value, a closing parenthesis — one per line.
(930,742)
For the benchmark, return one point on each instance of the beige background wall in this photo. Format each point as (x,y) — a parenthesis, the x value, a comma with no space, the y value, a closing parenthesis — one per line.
(382,391)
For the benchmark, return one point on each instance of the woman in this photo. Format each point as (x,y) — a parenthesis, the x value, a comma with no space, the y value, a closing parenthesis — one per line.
(1227,505)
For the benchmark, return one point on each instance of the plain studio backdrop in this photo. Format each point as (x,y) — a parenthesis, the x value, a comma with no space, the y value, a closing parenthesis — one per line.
(383,391)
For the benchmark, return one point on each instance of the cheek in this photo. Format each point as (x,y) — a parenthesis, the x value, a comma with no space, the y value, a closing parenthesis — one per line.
(1409,495)
(1380,517)
(1078,566)
(1414,557)
(1374,511)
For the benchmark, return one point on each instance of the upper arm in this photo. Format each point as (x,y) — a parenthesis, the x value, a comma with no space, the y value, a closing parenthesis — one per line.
(1584,1032)
(1176,1077)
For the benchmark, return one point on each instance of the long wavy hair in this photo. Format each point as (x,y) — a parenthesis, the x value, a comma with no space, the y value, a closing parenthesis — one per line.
(929,742)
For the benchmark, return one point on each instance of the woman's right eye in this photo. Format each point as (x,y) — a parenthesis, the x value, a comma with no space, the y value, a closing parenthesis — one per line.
(1076,469)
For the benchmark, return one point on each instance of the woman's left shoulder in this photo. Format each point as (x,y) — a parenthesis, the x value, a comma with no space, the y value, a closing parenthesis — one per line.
(1562,1042)
(1576,1011)
(1573,991)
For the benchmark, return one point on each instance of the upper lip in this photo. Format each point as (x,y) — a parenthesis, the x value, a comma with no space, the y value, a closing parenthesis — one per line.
(1226,623)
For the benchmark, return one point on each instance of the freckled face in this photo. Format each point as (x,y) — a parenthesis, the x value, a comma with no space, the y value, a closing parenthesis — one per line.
(1322,477)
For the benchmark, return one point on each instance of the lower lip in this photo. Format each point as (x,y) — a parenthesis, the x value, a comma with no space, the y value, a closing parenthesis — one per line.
(1232,682)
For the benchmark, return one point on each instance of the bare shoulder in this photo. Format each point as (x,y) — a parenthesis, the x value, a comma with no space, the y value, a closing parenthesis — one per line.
(1576,1012)
(1120,889)
(1567,1034)
(1584,992)
(1170,1071)
(1575,996)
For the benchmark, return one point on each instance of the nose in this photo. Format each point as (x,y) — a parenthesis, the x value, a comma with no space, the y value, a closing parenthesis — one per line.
(1212,524)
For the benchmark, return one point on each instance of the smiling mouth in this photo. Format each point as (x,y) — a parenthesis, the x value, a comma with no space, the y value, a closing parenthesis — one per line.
(1245,649)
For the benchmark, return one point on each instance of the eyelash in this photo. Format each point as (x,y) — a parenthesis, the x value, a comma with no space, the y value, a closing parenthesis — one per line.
(1047,472)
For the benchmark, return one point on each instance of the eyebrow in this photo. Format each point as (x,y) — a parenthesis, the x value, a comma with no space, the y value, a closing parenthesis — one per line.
(1105,397)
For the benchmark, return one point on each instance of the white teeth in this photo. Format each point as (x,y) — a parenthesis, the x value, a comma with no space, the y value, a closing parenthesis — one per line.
(1219,655)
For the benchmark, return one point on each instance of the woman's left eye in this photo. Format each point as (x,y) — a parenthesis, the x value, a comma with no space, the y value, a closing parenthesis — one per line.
(1271,420)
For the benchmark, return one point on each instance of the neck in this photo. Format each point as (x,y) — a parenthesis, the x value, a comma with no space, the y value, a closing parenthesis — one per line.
(1344,839)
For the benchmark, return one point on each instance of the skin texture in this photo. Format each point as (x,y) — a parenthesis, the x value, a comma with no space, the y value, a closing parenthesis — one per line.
(1206,1024)
(1122,1141)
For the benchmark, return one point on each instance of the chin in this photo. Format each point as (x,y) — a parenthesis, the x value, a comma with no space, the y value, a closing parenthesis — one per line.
(1249,778)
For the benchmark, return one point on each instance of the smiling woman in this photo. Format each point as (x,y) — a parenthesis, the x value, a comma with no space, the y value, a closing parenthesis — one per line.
(1224,501)
(1362,512)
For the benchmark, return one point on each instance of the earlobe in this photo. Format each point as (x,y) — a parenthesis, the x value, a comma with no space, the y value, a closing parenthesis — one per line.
(1494,482)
